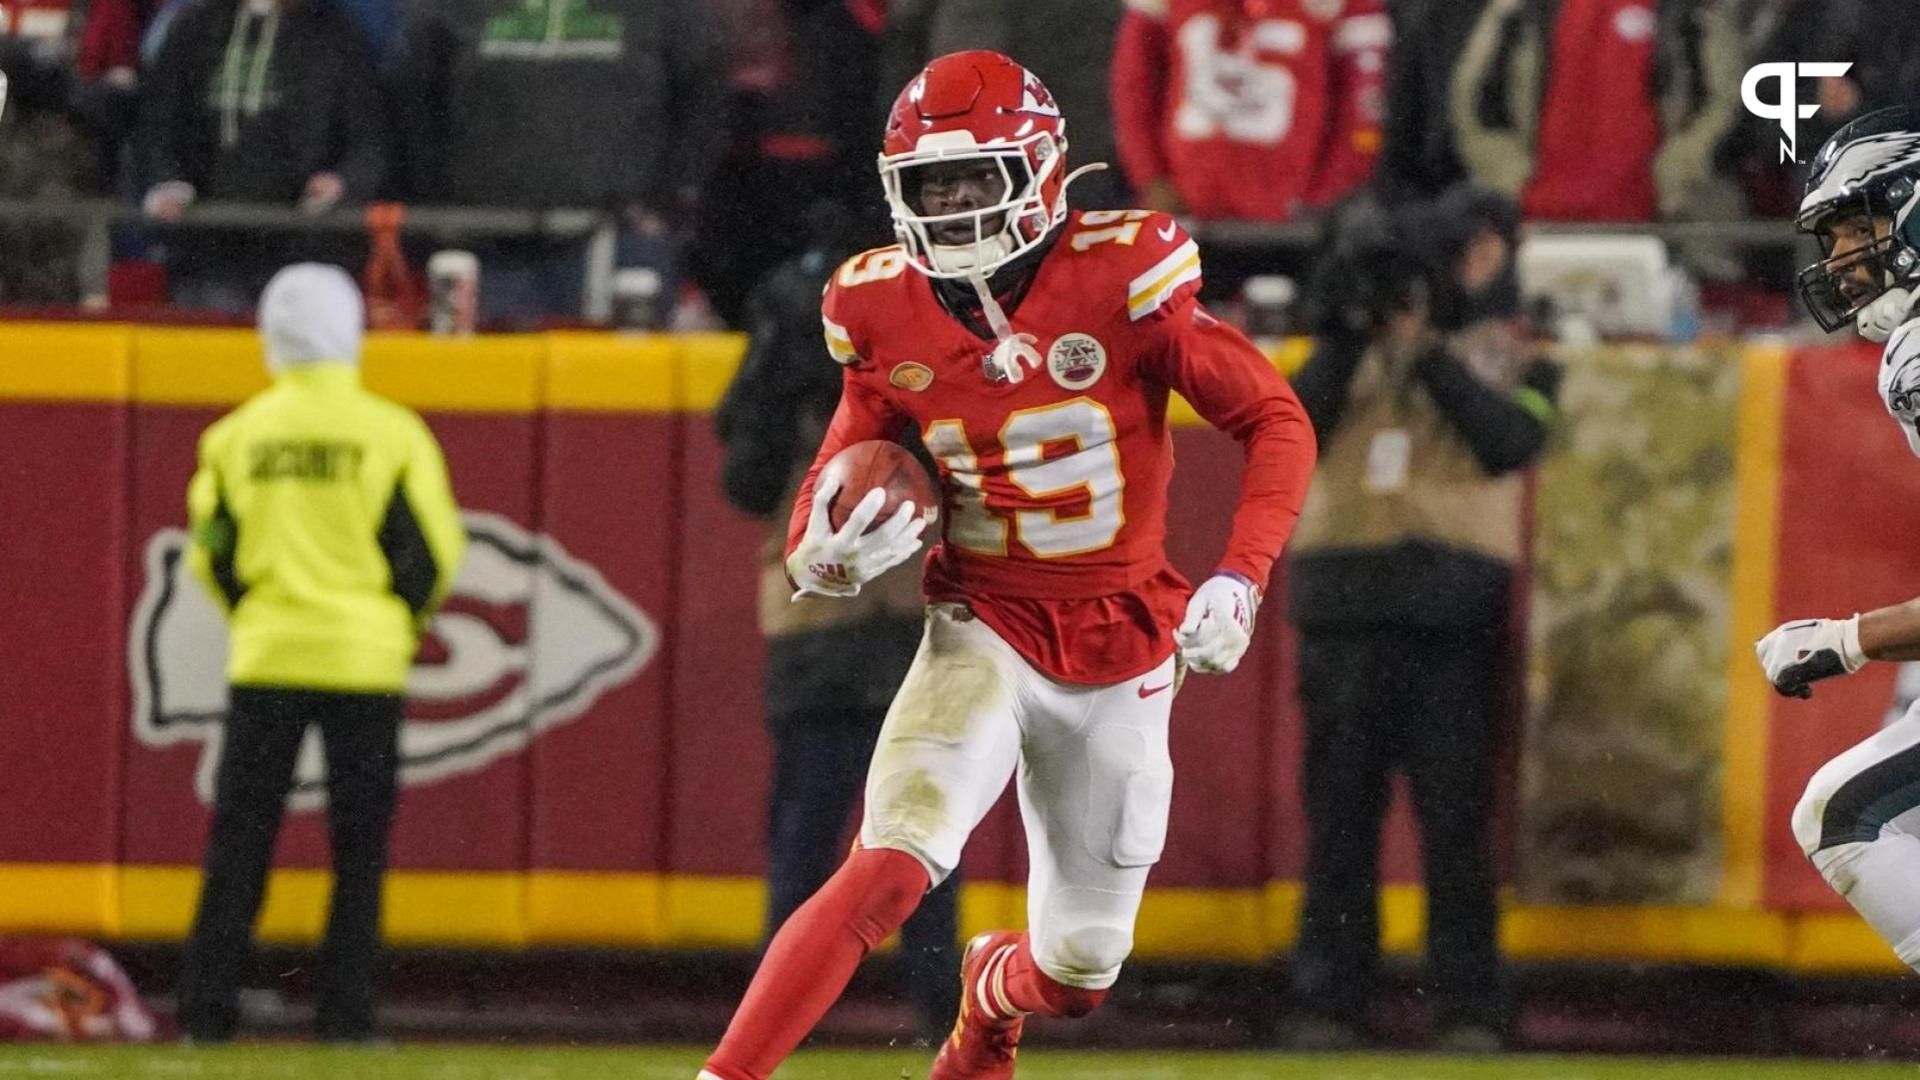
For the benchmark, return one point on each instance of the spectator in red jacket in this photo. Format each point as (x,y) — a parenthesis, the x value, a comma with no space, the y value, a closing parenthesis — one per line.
(1250,109)
(109,47)
(1583,110)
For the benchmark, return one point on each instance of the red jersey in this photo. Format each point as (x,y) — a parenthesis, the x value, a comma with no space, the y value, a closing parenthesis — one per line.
(1252,108)
(1599,125)
(1055,482)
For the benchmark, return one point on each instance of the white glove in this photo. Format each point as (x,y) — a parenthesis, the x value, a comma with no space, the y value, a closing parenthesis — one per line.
(828,563)
(1219,623)
(1878,320)
(1796,654)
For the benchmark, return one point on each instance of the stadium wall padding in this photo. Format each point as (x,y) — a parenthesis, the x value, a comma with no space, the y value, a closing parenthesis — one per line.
(586,761)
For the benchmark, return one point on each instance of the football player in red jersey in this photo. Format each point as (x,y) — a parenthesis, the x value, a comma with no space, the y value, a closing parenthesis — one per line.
(1034,349)
(1252,109)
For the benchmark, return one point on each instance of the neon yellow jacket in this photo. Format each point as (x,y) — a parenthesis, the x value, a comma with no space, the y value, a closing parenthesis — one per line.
(323,523)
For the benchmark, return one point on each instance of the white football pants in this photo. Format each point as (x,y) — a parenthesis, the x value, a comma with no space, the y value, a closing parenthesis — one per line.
(1859,821)
(1095,784)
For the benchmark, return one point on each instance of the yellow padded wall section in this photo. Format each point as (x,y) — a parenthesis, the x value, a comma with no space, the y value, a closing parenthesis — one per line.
(61,362)
(224,367)
(707,364)
(1744,739)
(612,372)
(491,373)
(60,898)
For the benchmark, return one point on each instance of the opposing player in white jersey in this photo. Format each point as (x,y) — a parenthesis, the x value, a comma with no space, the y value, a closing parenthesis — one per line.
(1859,820)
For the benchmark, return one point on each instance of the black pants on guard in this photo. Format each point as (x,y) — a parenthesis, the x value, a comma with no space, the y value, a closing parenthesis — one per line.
(264,729)
(1380,699)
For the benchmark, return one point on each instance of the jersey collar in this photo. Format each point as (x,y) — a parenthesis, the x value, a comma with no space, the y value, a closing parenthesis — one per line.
(322,375)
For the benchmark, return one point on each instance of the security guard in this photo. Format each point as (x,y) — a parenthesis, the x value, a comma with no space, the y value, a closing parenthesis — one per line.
(324,525)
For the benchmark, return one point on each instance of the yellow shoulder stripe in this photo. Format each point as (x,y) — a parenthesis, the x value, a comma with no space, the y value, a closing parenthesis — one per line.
(1152,288)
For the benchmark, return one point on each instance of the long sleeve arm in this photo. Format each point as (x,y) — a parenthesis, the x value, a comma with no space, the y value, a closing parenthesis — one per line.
(863,414)
(167,104)
(1360,45)
(213,534)
(422,535)
(1234,387)
(1322,382)
(109,39)
(364,143)
(1141,58)
(1410,112)
(1506,431)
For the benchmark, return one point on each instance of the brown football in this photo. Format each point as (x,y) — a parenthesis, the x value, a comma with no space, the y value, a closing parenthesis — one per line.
(879,464)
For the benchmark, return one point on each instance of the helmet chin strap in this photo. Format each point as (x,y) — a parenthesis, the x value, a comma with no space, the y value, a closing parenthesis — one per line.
(997,369)
(966,258)
(999,363)
(1090,167)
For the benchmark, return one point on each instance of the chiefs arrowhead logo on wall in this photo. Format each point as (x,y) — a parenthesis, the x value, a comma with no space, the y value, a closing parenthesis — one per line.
(528,640)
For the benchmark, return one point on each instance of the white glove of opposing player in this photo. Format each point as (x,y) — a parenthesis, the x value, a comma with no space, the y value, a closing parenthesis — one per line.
(829,563)
(1219,623)
(1796,654)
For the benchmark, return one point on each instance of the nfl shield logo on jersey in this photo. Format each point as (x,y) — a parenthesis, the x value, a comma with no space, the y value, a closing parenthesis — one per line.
(1076,361)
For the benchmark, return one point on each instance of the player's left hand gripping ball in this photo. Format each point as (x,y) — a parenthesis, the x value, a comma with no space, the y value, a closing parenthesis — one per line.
(830,563)
(1797,654)
(1219,624)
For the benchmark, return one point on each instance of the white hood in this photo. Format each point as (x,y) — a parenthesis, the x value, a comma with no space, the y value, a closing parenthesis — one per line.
(311,313)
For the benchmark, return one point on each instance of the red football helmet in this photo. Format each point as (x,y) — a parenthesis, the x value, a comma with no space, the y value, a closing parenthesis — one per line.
(974,105)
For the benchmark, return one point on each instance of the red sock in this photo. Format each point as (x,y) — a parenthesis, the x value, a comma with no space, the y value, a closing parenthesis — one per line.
(810,960)
(1034,991)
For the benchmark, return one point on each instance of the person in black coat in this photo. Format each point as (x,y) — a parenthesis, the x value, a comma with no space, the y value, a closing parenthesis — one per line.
(258,101)
(1429,403)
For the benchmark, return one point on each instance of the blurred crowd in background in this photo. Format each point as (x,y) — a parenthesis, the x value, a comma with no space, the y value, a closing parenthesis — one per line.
(717,131)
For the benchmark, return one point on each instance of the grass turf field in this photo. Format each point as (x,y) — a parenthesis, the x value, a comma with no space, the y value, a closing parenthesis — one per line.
(299,1062)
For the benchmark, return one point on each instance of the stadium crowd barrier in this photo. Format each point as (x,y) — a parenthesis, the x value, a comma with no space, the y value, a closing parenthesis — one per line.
(585,759)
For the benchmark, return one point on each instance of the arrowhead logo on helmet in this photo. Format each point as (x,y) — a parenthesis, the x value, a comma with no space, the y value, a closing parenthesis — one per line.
(1035,98)
(528,640)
